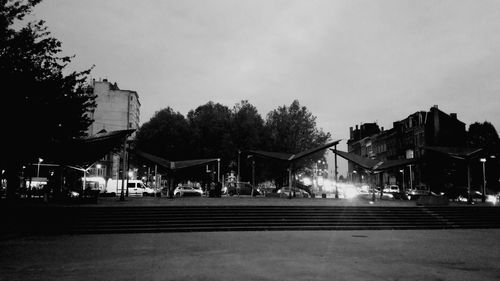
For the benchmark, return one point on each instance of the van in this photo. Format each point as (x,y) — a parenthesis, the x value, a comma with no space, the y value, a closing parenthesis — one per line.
(135,188)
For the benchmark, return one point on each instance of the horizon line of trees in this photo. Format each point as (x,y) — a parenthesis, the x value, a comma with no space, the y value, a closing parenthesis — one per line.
(214,130)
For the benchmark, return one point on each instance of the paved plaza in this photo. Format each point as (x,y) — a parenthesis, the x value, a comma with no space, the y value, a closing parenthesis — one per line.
(275,255)
(457,254)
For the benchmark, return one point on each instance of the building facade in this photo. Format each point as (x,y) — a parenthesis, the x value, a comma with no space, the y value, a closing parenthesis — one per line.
(116,109)
(406,140)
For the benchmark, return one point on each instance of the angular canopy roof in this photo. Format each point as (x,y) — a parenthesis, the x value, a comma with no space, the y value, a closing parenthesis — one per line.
(288,157)
(85,151)
(461,153)
(374,165)
(172,165)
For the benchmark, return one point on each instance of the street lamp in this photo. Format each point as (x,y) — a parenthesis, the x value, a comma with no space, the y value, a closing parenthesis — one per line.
(483,199)
(402,171)
(40,160)
(411,181)
(238,177)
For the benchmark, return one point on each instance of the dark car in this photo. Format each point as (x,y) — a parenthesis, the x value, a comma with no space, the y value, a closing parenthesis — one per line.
(296,192)
(417,191)
(242,188)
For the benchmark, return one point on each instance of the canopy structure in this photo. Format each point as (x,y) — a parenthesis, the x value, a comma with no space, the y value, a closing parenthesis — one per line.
(288,157)
(173,165)
(86,151)
(374,165)
(461,153)
(291,158)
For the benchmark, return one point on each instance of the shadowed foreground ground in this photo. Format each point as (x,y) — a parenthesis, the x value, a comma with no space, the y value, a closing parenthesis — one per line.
(292,255)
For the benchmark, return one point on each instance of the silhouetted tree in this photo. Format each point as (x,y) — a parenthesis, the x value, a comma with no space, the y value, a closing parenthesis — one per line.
(483,135)
(47,107)
(167,135)
(292,129)
(210,126)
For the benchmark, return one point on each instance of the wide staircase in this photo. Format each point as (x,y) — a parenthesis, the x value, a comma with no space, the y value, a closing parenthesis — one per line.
(78,220)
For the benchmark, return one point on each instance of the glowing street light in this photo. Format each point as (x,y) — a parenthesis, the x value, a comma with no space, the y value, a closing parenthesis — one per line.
(483,199)
(40,160)
(403,172)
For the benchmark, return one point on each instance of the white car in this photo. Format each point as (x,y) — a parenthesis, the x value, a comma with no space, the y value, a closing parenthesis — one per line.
(185,190)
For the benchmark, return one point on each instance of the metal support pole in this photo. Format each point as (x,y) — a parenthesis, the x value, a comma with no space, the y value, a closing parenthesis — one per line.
(336,174)
(469,193)
(253,175)
(149,176)
(84,180)
(290,181)
(156,179)
(373,188)
(218,170)
(238,177)
(411,180)
(483,199)
(124,171)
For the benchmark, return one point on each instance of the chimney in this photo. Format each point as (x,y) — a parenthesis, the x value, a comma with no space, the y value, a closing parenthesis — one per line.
(435,106)
(382,129)
(453,115)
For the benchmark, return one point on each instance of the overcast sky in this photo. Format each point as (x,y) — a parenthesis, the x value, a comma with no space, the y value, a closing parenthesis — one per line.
(349,62)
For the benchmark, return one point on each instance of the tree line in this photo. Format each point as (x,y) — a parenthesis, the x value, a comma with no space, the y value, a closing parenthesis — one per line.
(214,130)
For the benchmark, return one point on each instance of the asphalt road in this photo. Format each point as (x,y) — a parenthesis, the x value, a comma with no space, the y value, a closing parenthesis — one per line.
(276,255)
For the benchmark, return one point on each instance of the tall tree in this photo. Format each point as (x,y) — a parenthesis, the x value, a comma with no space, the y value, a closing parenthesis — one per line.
(483,135)
(293,129)
(211,127)
(247,133)
(50,107)
(166,134)
(247,126)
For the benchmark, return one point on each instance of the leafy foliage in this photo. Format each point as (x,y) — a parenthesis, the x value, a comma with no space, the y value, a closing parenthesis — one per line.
(166,135)
(483,135)
(213,130)
(49,107)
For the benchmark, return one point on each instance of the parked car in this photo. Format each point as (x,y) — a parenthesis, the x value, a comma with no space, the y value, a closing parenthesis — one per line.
(242,188)
(135,188)
(417,191)
(296,192)
(184,190)
(391,189)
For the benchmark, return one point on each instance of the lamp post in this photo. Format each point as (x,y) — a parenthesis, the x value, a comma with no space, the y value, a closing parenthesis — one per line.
(411,183)
(253,175)
(218,170)
(336,174)
(403,181)
(40,160)
(238,177)
(483,199)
